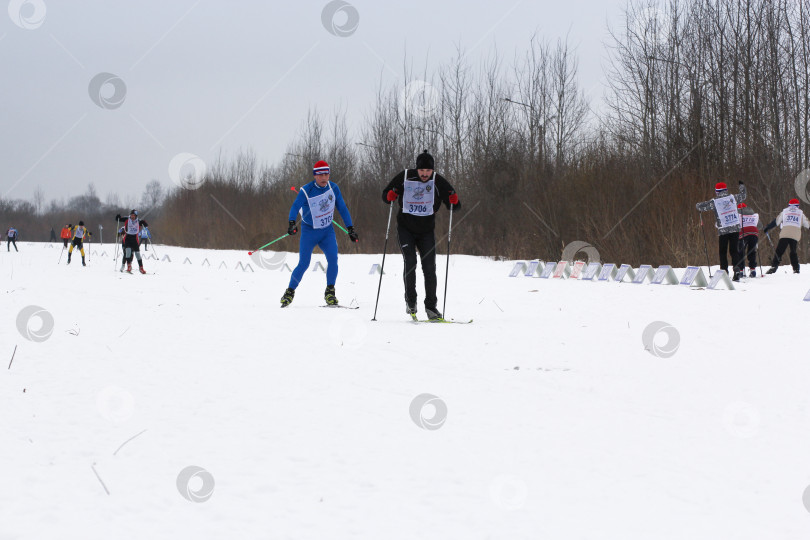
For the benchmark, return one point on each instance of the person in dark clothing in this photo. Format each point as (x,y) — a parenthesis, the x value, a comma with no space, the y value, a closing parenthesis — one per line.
(12,234)
(727,223)
(749,239)
(53,235)
(421,193)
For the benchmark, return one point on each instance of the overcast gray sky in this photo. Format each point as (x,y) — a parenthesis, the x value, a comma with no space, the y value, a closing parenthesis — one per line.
(207,76)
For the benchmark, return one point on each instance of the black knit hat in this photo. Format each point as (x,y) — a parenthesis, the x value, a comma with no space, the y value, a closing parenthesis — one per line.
(424,161)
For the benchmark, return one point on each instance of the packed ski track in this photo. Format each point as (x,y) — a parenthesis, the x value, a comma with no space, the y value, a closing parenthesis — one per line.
(185,403)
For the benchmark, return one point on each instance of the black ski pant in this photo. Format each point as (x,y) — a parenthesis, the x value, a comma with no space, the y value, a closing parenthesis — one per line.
(425,242)
(12,241)
(728,244)
(780,250)
(748,246)
(131,248)
(65,240)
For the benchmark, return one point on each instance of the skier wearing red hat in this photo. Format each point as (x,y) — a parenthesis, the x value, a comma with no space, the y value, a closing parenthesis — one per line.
(317,202)
(727,223)
(749,238)
(790,221)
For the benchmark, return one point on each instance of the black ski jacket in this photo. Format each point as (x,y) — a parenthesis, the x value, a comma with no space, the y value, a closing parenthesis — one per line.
(420,224)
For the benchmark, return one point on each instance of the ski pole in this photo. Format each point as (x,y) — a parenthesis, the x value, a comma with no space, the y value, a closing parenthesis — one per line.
(151,243)
(743,260)
(267,244)
(333,222)
(382,267)
(447,267)
(115,260)
(60,254)
(705,246)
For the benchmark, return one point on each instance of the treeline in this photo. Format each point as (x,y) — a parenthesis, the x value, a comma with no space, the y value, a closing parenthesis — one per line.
(698,92)
(35,219)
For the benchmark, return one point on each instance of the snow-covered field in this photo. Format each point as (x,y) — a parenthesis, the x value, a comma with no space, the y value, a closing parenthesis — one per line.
(549,418)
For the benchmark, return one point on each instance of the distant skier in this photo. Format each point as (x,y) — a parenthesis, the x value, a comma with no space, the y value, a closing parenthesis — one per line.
(53,235)
(131,240)
(749,238)
(66,232)
(79,234)
(421,192)
(790,221)
(317,202)
(146,237)
(727,223)
(12,234)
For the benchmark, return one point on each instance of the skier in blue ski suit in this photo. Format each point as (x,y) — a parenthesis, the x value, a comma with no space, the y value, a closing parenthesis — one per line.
(317,202)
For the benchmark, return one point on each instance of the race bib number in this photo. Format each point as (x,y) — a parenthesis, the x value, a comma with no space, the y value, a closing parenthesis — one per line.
(791,217)
(727,211)
(132,226)
(322,209)
(418,197)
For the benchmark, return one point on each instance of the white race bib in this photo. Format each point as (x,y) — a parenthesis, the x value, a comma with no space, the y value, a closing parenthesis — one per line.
(322,208)
(727,211)
(418,196)
(791,217)
(750,220)
(79,232)
(132,226)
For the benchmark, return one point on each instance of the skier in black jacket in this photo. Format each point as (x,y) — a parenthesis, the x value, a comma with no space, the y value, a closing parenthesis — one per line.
(421,193)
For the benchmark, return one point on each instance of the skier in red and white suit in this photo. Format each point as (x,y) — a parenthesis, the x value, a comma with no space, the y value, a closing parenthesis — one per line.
(132,240)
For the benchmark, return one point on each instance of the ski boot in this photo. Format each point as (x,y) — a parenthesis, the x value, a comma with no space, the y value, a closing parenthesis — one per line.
(68,258)
(433,314)
(329,296)
(736,276)
(83,263)
(287,299)
(129,268)
(142,270)
(752,273)
(771,270)
(410,308)
(122,267)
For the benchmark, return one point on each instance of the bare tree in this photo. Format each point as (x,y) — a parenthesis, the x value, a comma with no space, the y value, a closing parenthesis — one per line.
(152,195)
(569,107)
(39,199)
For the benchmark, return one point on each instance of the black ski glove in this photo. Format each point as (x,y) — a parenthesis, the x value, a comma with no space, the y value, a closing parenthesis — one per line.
(291,230)
(353,235)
